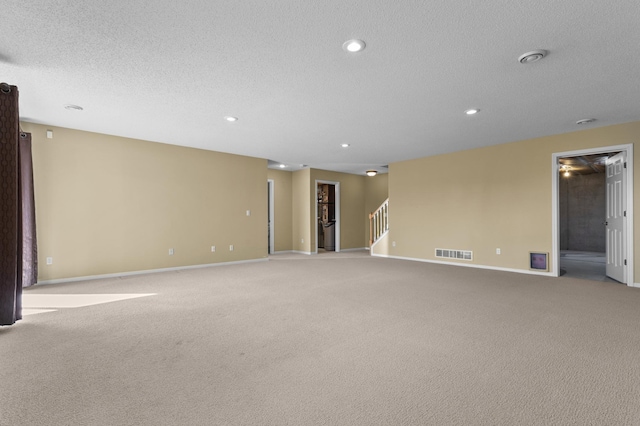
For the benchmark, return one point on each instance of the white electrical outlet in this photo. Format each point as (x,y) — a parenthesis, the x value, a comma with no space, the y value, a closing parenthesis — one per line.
(393,244)
(497,251)
(248,212)
(49,134)
(231,247)
(302,240)
(170,252)
(213,249)
(49,260)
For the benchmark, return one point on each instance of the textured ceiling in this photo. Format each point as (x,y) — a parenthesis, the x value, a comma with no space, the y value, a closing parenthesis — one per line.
(169,71)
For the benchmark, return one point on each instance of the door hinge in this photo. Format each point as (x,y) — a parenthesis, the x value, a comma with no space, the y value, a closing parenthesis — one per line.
(625,213)
(625,262)
(625,164)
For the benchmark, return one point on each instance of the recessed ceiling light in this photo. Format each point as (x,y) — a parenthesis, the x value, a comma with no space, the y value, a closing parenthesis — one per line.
(345,145)
(231,119)
(533,56)
(353,46)
(71,107)
(472,111)
(371,173)
(586,121)
(282,166)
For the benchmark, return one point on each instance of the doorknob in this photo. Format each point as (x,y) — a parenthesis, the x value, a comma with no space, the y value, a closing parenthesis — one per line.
(605,223)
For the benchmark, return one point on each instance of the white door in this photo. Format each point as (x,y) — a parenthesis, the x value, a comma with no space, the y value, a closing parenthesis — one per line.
(616,217)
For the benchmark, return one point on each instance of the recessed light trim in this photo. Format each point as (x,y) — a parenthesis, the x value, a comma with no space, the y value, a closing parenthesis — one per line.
(72,107)
(472,111)
(533,56)
(372,173)
(230,118)
(282,166)
(354,46)
(585,121)
(345,145)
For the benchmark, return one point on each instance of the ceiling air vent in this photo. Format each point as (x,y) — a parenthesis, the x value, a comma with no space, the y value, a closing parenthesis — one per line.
(454,254)
(585,121)
(533,56)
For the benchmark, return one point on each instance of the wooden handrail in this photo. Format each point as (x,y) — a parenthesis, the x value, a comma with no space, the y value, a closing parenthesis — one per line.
(378,222)
(384,203)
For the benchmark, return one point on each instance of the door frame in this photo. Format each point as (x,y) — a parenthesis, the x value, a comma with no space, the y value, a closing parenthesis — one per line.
(555,205)
(271,216)
(337,206)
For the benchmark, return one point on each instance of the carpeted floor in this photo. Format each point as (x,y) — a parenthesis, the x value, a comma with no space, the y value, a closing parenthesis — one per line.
(339,339)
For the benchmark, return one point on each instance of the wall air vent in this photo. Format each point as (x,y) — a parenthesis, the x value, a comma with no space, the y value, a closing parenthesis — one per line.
(454,254)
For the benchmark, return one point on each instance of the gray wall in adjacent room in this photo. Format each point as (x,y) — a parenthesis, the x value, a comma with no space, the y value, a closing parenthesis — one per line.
(582,212)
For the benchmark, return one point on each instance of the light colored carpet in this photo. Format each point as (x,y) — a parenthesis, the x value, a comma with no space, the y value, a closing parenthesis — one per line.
(35,300)
(312,340)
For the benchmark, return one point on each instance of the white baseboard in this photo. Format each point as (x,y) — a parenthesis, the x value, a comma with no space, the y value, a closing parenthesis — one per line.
(146,271)
(354,249)
(468,265)
(283,252)
(302,252)
(637,285)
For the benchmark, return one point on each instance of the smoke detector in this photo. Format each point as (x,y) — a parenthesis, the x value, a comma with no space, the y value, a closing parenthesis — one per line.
(533,56)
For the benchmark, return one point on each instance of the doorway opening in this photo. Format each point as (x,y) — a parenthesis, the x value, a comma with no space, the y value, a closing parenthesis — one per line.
(327,216)
(592,214)
(583,204)
(270,218)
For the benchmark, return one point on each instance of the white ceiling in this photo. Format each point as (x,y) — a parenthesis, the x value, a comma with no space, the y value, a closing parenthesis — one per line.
(169,71)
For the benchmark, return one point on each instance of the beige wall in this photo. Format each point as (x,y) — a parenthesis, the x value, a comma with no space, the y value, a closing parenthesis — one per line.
(352,194)
(488,198)
(108,204)
(376,190)
(355,192)
(283,209)
(301,210)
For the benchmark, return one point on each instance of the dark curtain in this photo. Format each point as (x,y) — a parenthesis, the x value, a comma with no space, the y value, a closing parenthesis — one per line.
(11,237)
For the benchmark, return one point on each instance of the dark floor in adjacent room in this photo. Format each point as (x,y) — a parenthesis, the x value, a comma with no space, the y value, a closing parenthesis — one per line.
(584,265)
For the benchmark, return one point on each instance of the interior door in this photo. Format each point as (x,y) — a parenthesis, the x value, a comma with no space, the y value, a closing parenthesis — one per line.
(616,217)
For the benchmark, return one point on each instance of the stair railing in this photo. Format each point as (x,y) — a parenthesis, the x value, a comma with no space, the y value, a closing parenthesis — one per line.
(378,222)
